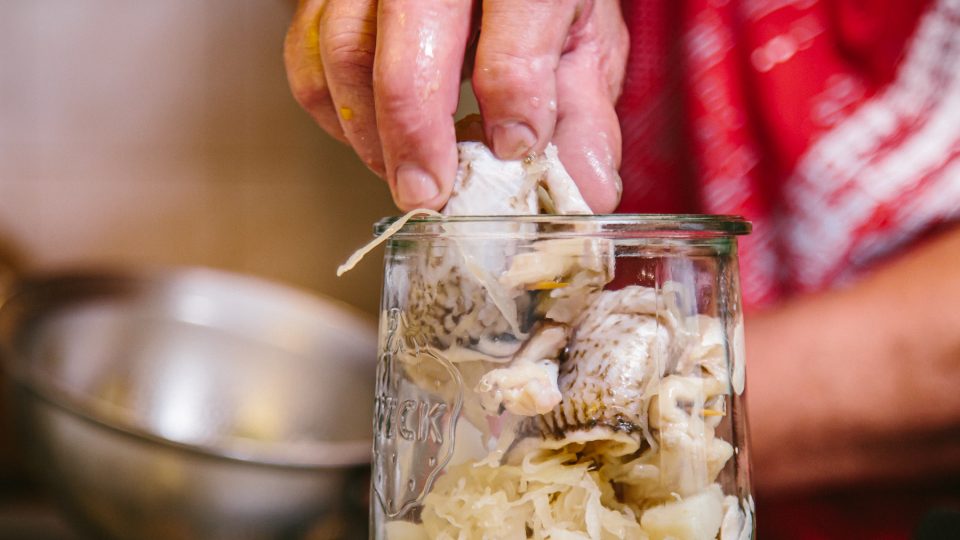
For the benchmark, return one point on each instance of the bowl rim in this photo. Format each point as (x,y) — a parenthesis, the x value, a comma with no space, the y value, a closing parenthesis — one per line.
(337,454)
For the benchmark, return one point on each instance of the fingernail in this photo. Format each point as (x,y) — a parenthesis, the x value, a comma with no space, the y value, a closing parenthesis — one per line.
(512,140)
(414,186)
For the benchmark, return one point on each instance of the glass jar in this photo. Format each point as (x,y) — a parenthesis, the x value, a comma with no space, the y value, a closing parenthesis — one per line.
(562,377)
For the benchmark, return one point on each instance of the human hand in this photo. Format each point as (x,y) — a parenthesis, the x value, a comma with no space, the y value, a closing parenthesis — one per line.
(384,77)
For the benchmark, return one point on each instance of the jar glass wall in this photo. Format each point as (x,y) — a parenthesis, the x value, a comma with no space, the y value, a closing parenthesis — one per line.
(562,377)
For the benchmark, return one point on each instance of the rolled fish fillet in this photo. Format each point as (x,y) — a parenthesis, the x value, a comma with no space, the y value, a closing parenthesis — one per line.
(469,300)
(466,298)
(528,386)
(619,352)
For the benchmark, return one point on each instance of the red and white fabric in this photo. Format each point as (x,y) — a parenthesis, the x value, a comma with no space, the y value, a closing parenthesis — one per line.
(833,125)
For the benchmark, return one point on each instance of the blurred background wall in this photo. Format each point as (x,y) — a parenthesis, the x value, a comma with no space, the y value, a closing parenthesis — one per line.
(163,132)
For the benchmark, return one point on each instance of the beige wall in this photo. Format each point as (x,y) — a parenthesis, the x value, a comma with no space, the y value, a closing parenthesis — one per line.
(162,132)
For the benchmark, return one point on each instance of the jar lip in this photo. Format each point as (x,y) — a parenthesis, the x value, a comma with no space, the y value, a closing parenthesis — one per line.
(671,224)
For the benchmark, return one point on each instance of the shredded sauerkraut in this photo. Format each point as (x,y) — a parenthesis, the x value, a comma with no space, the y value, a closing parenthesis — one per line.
(549,495)
(565,493)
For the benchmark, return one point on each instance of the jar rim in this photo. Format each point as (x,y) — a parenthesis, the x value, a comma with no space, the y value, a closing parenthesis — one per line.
(670,224)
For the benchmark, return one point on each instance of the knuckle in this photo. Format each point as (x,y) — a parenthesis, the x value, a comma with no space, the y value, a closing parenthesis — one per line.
(501,72)
(349,50)
(311,97)
(396,97)
(403,116)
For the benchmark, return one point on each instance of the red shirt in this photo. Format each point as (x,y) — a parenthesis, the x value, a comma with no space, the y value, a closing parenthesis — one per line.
(833,125)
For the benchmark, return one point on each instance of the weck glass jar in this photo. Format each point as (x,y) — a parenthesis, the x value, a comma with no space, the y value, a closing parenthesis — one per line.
(562,377)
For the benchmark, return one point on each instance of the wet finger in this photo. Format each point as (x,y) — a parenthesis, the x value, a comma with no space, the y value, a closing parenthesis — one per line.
(347,47)
(420,48)
(305,74)
(588,135)
(515,71)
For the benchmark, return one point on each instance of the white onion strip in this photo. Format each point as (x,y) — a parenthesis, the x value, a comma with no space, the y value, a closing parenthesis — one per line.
(384,236)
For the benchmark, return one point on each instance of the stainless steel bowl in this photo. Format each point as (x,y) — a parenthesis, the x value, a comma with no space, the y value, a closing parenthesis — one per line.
(191,404)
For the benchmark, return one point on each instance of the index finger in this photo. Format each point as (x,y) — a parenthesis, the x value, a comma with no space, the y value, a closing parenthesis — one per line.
(416,82)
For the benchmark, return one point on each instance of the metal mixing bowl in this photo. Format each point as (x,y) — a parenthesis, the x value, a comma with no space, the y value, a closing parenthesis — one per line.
(191,404)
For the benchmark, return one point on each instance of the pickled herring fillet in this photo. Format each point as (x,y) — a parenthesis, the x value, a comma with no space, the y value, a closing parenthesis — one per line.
(561,192)
(470,300)
(616,358)
(487,186)
(529,385)
(470,295)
